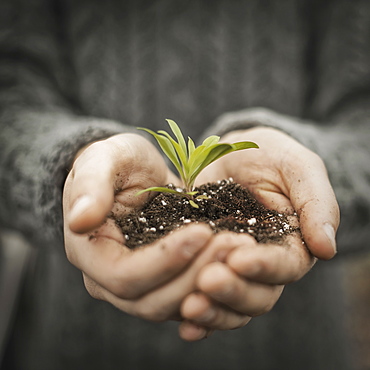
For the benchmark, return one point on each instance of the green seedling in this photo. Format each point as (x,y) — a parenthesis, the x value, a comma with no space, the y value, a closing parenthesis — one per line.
(190,160)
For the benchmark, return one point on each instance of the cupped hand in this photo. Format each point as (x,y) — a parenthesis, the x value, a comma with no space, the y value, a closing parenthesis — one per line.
(285,176)
(104,179)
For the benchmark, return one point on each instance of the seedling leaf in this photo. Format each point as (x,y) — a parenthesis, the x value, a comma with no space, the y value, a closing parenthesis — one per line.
(245,145)
(180,138)
(167,148)
(208,156)
(190,160)
(211,140)
(192,203)
(191,147)
(179,150)
(161,190)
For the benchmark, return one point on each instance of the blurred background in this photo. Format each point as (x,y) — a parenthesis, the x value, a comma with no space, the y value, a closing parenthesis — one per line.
(357,280)
(357,288)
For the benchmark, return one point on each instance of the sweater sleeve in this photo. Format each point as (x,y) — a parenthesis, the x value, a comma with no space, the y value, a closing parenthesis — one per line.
(339,125)
(42,125)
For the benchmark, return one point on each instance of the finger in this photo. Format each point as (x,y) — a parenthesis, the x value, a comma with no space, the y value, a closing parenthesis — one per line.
(272,264)
(169,296)
(162,301)
(224,286)
(192,332)
(130,274)
(199,308)
(149,307)
(90,188)
(313,198)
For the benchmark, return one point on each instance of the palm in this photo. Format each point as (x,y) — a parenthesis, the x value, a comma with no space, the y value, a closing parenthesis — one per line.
(259,170)
(285,176)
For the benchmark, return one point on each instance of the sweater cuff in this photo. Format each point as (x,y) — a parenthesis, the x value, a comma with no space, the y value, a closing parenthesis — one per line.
(58,159)
(302,130)
(38,151)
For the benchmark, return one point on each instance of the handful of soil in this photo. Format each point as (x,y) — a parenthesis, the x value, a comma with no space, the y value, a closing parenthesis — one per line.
(226,206)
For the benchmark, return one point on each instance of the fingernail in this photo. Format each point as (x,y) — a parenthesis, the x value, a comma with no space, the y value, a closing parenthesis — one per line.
(81,205)
(330,233)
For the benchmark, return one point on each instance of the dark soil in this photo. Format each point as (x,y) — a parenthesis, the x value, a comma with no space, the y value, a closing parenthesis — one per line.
(228,206)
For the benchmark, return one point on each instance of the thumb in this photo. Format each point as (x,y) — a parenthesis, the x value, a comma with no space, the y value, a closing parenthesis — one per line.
(91,189)
(319,228)
(318,210)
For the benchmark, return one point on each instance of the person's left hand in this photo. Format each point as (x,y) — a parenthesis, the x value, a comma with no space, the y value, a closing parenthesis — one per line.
(284,176)
(287,177)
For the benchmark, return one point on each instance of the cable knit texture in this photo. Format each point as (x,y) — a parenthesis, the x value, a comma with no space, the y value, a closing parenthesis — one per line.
(75,71)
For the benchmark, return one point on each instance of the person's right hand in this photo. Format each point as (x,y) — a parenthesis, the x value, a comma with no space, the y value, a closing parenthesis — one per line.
(146,282)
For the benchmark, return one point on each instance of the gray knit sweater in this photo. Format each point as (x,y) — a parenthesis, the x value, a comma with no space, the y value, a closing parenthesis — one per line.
(74,71)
